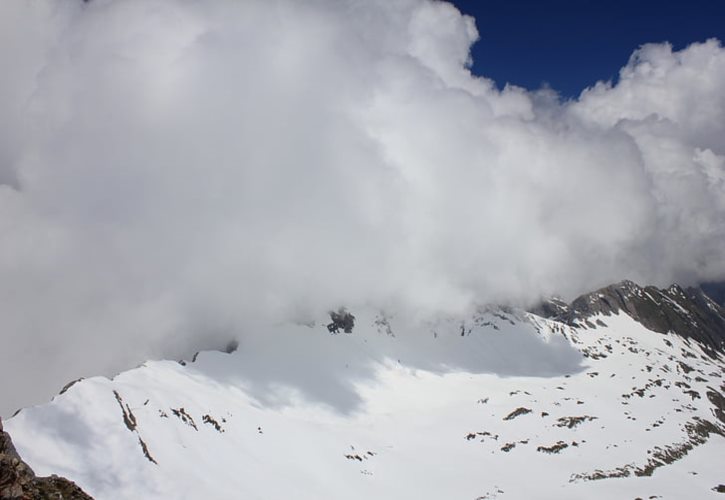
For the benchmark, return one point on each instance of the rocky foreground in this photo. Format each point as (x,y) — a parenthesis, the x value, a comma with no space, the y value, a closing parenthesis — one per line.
(19,482)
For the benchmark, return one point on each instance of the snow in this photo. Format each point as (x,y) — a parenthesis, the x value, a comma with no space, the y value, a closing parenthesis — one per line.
(417,412)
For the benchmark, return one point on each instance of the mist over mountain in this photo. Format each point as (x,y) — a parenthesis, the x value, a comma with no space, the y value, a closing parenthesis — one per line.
(716,290)
(618,394)
(174,174)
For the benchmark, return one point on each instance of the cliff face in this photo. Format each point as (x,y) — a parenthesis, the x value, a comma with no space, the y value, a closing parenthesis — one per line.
(18,481)
(688,312)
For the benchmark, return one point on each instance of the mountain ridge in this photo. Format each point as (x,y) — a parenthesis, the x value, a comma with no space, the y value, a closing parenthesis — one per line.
(689,312)
(592,399)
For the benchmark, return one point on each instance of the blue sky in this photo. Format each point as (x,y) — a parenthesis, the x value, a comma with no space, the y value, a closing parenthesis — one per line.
(570,44)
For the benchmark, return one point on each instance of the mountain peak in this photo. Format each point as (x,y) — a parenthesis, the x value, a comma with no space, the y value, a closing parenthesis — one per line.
(688,312)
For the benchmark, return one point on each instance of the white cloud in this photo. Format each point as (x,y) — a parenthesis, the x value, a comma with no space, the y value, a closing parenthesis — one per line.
(174,169)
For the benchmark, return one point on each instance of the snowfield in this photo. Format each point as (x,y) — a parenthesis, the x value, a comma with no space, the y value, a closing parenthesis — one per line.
(503,405)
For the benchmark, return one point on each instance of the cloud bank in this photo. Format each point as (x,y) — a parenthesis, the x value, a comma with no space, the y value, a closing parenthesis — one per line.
(172,170)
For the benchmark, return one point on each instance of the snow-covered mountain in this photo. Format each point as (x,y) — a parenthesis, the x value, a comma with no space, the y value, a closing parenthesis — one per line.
(617,395)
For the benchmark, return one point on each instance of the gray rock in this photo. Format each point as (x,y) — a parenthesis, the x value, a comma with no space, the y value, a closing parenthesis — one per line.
(689,312)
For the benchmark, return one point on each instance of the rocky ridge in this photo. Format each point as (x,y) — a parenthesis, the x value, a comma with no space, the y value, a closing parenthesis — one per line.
(688,312)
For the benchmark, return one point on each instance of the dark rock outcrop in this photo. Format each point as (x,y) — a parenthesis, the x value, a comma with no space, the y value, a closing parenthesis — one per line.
(341,320)
(18,481)
(689,312)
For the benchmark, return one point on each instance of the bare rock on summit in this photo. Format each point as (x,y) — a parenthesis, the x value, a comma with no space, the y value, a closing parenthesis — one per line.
(341,320)
(18,481)
(689,312)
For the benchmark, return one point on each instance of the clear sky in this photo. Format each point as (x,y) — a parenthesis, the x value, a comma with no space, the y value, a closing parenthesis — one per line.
(570,44)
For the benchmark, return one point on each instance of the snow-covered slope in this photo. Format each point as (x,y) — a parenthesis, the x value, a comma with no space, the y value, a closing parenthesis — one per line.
(503,405)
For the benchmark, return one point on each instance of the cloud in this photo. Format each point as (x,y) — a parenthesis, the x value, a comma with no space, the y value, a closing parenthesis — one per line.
(172,170)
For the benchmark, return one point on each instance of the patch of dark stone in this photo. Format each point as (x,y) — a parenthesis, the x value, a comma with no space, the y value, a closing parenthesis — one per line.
(473,435)
(718,402)
(508,447)
(698,431)
(356,456)
(685,367)
(554,448)
(341,320)
(640,392)
(693,394)
(69,385)
(208,419)
(571,422)
(184,417)
(491,495)
(128,417)
(145,450)
(517,413)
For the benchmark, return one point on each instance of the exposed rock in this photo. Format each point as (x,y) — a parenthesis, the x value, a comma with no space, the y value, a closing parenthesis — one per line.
(698,431)
(718,402)
(554,448)
(208,419)
(69,385)
(341,320)
(516,413)
(571,422)
(508,447)
(689,312)
(18,481)
(129,419)
(145,449)
(184,417)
